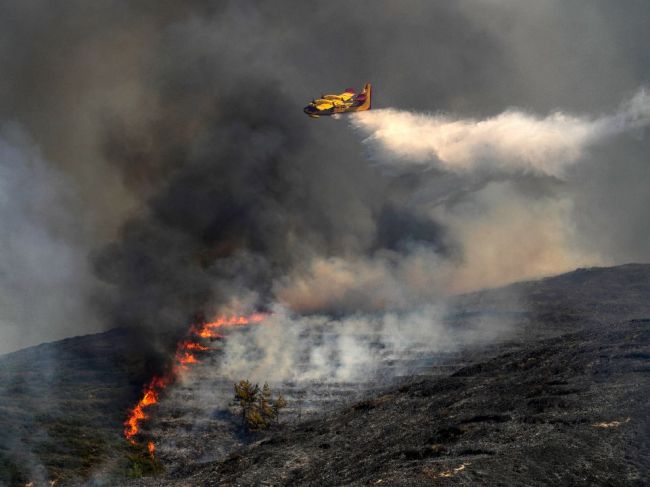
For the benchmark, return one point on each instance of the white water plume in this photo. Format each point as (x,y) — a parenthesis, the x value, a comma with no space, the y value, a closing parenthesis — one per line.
(511,142)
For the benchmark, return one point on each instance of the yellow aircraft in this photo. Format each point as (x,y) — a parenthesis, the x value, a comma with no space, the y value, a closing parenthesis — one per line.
(348,101)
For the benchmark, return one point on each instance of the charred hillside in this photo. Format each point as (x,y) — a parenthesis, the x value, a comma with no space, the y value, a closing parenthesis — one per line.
(561,400)
(565,411)
(561,403)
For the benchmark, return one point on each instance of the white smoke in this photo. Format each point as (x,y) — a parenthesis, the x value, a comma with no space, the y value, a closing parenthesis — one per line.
(511,142)
(354,348)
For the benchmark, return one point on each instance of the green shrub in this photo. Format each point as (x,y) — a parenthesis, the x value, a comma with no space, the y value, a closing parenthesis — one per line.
(258,408)
(141,463)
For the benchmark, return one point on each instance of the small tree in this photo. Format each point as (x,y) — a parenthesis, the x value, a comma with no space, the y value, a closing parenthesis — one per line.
(278,404)
(255,421)
(258,408)
(246,396)
(265,402)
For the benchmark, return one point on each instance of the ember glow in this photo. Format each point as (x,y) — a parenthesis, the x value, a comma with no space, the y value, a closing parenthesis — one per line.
(186,355)
(152,448)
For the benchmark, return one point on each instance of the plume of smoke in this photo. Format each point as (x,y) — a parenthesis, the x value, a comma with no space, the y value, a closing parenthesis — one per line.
(355,348)
(385,280)
(42,280)
(513,142)
(317,362)
(506,236)
(501,235)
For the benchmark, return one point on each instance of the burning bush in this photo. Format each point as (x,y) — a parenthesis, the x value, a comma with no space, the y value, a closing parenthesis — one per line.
(258,408)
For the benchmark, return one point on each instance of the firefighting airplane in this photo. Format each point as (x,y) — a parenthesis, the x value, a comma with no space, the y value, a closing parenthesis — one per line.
(348,101)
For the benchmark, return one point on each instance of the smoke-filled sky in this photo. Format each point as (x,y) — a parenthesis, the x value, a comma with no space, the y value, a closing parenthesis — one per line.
(155,161)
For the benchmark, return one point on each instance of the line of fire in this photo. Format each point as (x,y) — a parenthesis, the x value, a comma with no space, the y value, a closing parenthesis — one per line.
(187,353)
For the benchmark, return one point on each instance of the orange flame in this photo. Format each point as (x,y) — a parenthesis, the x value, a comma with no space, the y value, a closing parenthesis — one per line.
(187,345)
(184,356)
(149,397)
(152,449)
(207,330)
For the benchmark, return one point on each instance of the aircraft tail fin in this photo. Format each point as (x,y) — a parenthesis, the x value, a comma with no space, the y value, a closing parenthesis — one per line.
(367,103)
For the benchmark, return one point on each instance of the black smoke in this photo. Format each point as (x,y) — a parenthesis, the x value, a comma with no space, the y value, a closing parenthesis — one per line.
(217,220)
(197,178)
(238,189)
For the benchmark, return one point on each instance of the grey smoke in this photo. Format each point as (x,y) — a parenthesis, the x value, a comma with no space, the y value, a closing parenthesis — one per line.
(179,129)
(42,278)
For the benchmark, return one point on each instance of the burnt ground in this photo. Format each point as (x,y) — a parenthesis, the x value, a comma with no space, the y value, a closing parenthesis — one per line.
(561,401)
(571,410)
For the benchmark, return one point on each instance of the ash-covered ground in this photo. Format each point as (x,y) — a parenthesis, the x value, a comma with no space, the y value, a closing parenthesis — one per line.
(559,398)
(196,420)
(563,401)
(570,410)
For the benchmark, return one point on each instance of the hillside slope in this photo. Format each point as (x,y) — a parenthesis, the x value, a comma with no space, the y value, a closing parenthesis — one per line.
(515,410)
(571,410)
(62,406)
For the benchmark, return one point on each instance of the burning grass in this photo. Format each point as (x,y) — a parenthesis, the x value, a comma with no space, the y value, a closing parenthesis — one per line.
(187,354)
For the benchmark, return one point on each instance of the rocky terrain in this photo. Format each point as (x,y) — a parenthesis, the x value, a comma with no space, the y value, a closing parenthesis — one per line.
(560,400)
